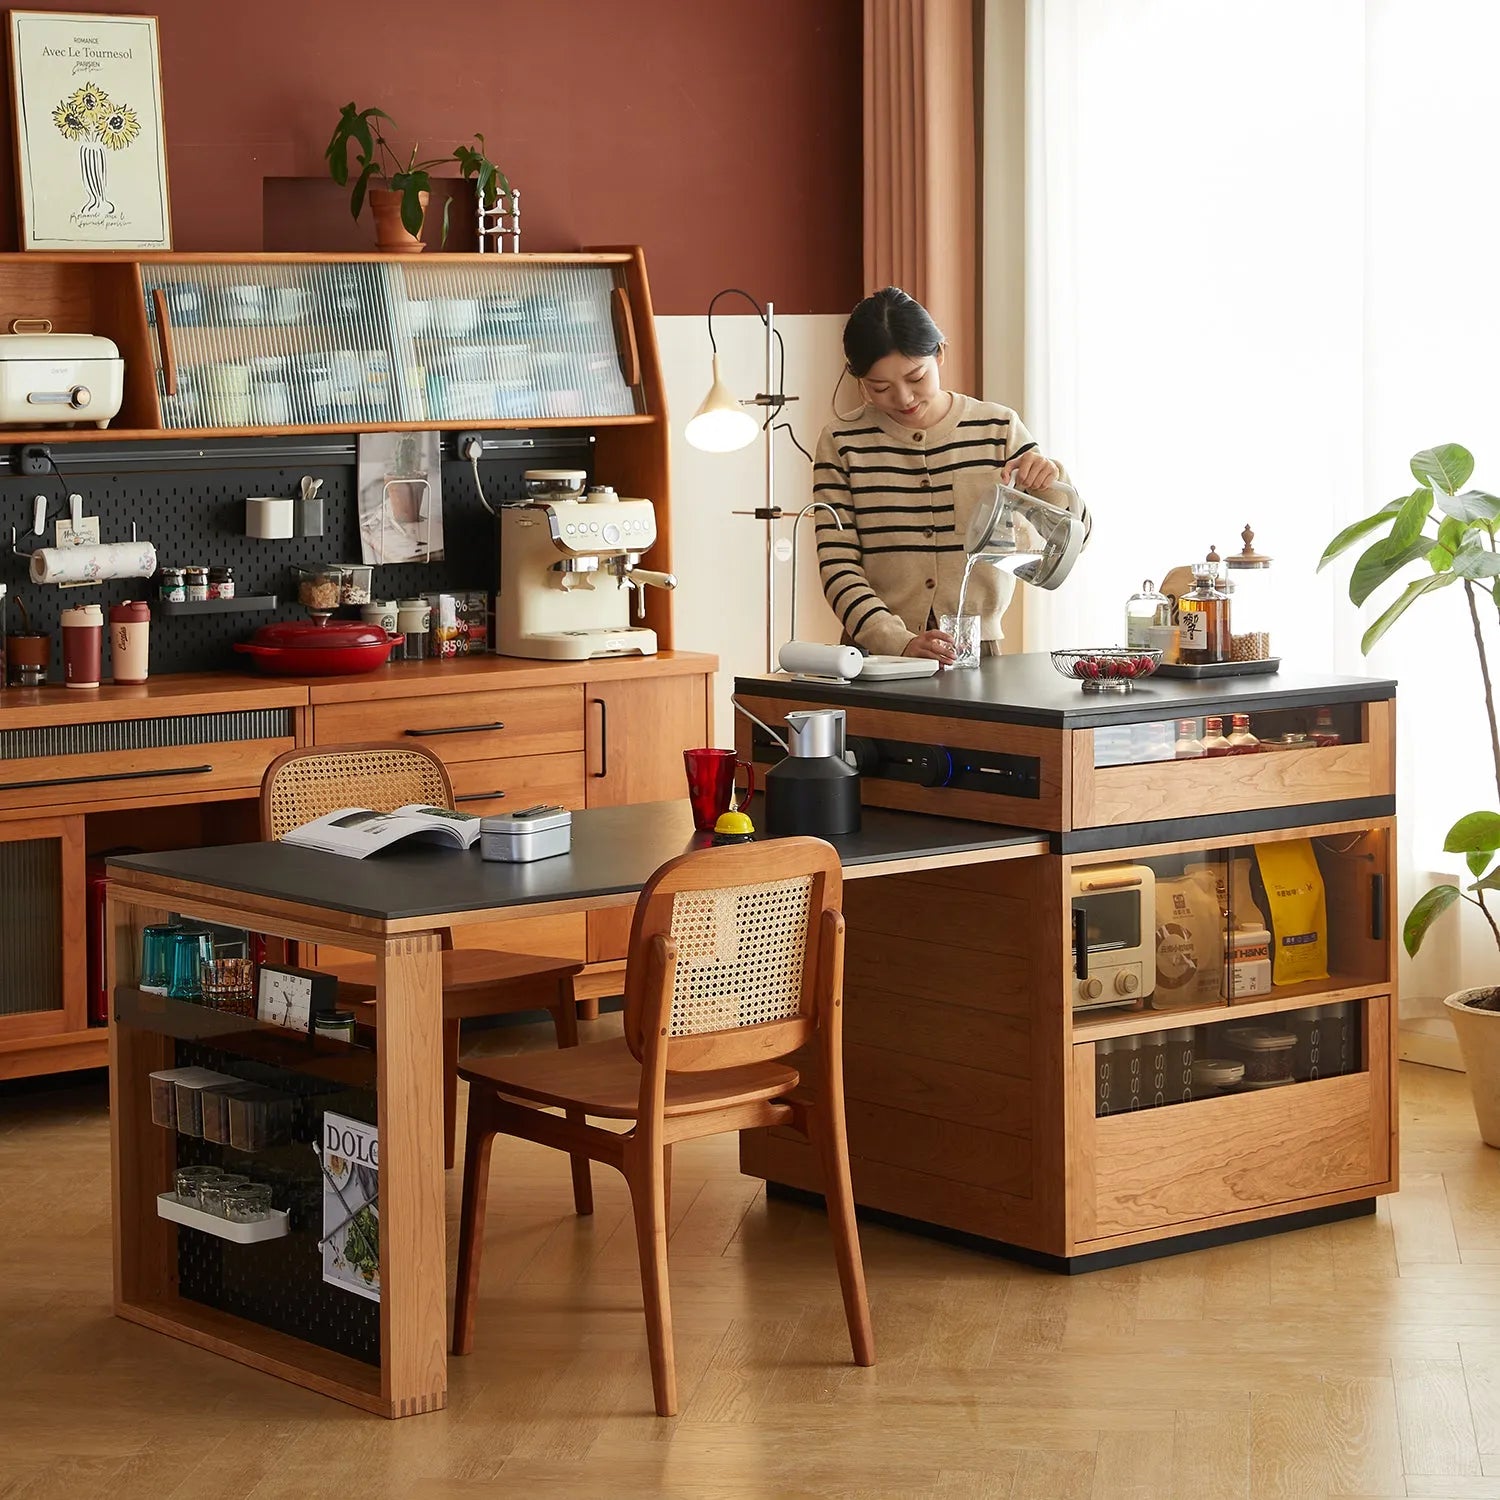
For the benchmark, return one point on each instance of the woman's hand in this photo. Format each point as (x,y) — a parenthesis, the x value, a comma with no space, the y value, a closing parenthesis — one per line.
(937,644)
(1030,471)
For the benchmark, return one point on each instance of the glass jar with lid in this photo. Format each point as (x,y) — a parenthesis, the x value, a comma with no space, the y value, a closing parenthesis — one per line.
(1203,617)
(1250,578)
(1144,612)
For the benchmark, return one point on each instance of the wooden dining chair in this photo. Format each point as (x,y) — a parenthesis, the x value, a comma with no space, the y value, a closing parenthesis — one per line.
(736,961)
(305,784)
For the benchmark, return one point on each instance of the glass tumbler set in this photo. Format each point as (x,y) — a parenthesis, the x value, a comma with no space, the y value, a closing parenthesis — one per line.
(178,960)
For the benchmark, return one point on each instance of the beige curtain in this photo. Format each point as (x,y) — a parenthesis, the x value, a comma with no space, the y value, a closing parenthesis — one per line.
(920,177)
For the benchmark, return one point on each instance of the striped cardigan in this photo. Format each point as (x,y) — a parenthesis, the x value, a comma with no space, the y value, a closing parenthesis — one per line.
(905,497)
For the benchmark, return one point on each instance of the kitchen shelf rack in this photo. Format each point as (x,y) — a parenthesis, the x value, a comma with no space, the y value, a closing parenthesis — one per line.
(1331,991)
(247,604)
(170,1206)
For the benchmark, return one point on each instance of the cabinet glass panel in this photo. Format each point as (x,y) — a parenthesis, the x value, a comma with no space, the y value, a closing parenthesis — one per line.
(30,926)
(1269,732)
(495,340)
(268,345)
(1179,1064)
(1264,920)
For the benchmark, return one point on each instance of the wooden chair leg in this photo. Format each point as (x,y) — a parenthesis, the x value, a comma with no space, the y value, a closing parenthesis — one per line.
(826,1120)
(478,1141)
(450,1092)
(666,1185)
(565,1021)
(644,1173)
(586,1008)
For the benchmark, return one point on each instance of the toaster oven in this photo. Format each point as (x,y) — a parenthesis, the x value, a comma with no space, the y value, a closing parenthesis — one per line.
(1114,936)
(50,378)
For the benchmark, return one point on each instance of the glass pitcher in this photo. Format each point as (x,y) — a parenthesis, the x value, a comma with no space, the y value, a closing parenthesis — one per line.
(1027,536)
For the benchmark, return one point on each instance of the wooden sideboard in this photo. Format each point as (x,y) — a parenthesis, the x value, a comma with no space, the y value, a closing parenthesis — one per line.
(177,762)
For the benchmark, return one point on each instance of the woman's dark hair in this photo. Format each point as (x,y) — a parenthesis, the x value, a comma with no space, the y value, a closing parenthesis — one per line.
(888,322)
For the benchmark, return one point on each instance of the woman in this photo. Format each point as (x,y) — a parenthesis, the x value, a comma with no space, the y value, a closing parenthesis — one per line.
(904,473)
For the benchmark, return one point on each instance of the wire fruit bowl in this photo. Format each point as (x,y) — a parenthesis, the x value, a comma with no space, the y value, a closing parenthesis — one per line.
(1108,669)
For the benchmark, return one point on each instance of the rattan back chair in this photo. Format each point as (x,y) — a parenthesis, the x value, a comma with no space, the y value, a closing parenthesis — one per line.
(312,782)
(316,780)
(736,962)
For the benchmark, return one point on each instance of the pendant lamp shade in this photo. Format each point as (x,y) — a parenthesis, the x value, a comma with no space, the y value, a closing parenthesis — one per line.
(721,424)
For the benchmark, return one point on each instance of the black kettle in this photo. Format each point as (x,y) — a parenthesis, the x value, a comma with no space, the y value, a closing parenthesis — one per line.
(814,791)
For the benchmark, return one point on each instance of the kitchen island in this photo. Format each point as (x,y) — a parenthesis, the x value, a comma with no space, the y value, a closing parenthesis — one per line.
(1008,1076)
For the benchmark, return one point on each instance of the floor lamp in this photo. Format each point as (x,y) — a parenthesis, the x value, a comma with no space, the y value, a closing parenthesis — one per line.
(722,425)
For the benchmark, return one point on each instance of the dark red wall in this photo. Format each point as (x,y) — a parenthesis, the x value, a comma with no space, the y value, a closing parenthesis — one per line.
(724,137)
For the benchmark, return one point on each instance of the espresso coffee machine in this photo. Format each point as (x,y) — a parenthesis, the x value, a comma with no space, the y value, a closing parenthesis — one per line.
(569,568)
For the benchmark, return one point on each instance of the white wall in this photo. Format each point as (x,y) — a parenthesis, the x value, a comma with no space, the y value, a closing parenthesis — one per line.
(719,557)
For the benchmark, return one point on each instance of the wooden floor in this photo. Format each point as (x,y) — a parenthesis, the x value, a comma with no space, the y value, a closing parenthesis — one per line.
(1360,1359)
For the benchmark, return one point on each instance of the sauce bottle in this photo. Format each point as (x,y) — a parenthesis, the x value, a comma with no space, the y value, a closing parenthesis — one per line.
(1214,742)
(1241,741)
(1203,617)
(1188,745)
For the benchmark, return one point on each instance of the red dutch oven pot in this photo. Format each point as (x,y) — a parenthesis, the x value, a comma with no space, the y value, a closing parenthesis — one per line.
(296,649)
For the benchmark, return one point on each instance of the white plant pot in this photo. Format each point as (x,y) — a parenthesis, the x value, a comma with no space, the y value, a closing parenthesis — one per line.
(1479,1041)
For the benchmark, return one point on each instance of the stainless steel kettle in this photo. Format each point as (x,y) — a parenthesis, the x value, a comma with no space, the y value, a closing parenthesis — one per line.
(814,791)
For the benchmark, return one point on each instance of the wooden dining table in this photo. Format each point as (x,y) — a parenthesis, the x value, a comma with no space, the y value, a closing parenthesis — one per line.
(269,1305)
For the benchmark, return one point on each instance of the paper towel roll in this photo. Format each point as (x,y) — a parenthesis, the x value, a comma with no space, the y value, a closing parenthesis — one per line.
(93,564)
(813,659)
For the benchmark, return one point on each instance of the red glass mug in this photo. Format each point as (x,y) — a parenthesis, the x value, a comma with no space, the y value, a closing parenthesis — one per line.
(711,785)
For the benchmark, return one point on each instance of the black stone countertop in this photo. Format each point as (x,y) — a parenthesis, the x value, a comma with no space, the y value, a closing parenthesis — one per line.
(1027,689)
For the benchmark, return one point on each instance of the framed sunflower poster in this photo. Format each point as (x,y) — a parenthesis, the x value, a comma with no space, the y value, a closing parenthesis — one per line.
(91,161)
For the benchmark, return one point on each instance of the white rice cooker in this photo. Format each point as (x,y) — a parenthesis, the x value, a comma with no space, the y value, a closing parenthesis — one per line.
(49,378)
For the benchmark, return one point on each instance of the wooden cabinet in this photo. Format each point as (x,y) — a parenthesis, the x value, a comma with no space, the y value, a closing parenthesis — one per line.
(636,733)
(43,1006)
(239,343)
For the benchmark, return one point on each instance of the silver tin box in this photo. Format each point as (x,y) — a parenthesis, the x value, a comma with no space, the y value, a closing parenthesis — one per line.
(528,833)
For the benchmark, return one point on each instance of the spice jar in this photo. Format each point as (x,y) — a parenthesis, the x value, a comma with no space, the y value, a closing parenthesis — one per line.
(1203,618)
(318,589)
(1248,572)
(173,585)
(355,582)
(1145,612)
(221,583)
(336,1025)
(196,580)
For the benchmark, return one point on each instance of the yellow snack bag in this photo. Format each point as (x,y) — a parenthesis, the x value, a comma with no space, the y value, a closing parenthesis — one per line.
(1292,896)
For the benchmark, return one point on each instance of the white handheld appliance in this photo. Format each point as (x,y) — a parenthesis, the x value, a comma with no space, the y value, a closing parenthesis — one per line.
(1114,935)
(569,567)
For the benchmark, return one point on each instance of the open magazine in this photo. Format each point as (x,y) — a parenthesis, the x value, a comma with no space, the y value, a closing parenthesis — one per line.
(356,831)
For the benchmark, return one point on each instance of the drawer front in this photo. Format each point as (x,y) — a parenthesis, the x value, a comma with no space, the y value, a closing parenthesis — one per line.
(1161,1167)
(462,726)
(112,762)
(498,786)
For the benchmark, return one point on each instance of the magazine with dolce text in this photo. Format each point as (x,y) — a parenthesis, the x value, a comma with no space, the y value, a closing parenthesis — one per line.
(351,1205)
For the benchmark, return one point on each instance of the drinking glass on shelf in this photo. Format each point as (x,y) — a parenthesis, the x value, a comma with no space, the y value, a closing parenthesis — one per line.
(965,632)
(228,984)
(156,950)
(190,951)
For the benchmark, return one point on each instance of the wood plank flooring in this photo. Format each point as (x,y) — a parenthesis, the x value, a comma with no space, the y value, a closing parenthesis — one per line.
(1356,1360)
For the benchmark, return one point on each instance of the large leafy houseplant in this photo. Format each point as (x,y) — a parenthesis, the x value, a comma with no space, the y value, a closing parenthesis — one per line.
(376,163)
(1449,532)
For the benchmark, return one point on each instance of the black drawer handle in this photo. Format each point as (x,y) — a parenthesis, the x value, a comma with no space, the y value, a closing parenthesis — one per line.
(1377,908)
(603,770)
(480,797)
(422,734)
(21,786)
(1080,943)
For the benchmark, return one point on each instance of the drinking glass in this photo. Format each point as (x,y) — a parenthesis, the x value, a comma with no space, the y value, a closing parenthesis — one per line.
(228,984)
(248,1203)
(156,949)
(965,632)
(190,951)
(710,777)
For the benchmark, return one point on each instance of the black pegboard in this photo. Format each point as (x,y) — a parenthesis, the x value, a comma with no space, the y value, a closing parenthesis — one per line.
(278,1283)
(189,500)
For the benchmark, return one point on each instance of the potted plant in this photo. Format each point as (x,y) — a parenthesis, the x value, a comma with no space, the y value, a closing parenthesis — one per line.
(1450,532)
(400,205)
